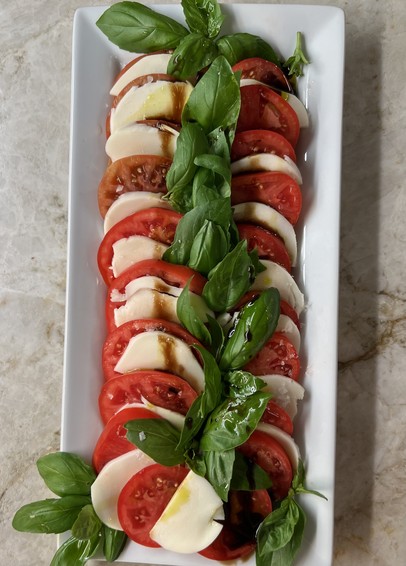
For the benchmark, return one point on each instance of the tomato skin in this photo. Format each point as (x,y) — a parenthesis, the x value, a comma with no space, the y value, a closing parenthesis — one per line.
(261,107)
(263,71)
(159,388)
(144,498)
(176,275)
(130,174)
(251,142)
(117,341)
(156,223)
(278,356)
(244,511)
(113,442)
(268,245)
(289,311)
(277,190)
(277,416)
(265,451)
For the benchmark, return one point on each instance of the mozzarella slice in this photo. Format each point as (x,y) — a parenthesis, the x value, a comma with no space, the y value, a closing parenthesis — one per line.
(131,202)
(128,251)
(285,440)
(156,63)
(160,99)
(107,486)
(189,521)
(286,392)
(291,99)
(291,331)
(276,276)
(161,351)
(144,282)
(267,162)
(270,219)
(140,139)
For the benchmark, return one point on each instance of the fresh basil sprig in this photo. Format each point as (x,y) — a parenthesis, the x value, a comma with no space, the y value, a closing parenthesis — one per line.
(296,62)
(194,53)
(203,16)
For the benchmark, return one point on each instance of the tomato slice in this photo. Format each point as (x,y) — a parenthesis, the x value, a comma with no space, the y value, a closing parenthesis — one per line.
(145,497)
(268,245)
(277,416)
(262,108)
(244,511)
(156,223)
(175,275)
(159,388)
(129,174)
(265,451)
(289,311)
(113,442)
(117,341)
(263,71)
(278,356)
(277,190)
(260,141)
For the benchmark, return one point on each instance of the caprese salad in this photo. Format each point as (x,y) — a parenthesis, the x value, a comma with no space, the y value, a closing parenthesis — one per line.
(201,360)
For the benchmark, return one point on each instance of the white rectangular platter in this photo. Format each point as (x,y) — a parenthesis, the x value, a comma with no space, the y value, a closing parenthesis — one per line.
(95,63)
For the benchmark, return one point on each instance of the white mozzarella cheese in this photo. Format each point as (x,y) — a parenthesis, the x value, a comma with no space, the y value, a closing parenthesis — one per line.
(286,392)
(270,219)
(289,328)
(267,162)
(276,276)
(160,99)
(140,139)
(131,202)
(144,282)
(128,251)
(147,303)
(161,351)
(154,64)
(109,483)
(189,521)
(175,419)
(285,440)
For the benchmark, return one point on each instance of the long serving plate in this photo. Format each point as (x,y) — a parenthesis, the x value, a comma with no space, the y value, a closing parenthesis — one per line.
(95,63)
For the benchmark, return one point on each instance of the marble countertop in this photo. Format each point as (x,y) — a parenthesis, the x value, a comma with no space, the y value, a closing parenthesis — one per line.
(35,42)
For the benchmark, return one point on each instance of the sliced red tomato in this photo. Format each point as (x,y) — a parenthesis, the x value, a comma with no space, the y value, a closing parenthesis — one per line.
(244,512)
(277,416)
(278,356)
(145,497)
(265,451)
(159,388)
(113,442)
(130,174)
(260,141)
(277,190)
(268,245)
(263,71)
(262,108)
(156,223)
(289,311)
(117,341)
(175,275)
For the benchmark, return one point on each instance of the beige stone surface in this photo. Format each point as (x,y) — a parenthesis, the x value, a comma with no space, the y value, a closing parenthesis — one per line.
(35,47)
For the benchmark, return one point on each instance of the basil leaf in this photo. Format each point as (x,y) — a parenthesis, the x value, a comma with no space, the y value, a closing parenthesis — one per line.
(219,469)
(113,543)
(219,167)
(203,16)
(76,552)
(296,62)
(66,474)
(196,463)
(239,46)
(194,53)
(157,438)
(87,524)
(299,481)
(252,329)
(134,27)
(217,337)
(180,199)
(208,249)
(203,191)
(215,100)
(233,422)
(49,515)
(230,279)
(258,266)
(220,143)
(193,423)
(190,317)
(242,383)
(248,476)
